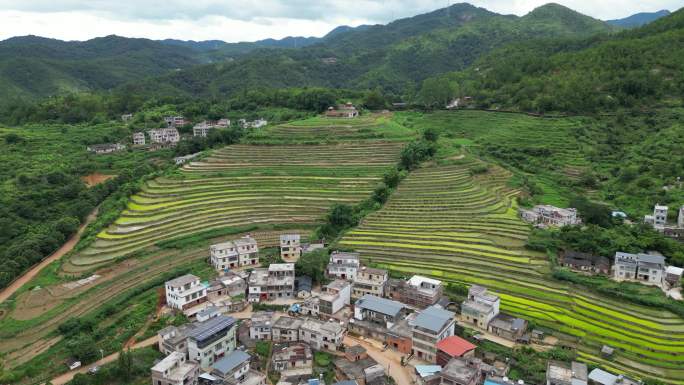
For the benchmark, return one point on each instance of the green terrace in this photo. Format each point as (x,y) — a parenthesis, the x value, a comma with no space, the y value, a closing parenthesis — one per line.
(445,223)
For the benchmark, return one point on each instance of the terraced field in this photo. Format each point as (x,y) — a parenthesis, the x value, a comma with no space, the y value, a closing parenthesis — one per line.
(445,223)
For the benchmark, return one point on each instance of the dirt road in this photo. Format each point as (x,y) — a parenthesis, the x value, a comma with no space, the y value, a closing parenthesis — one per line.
(67,247)
(66,377)
(388,359)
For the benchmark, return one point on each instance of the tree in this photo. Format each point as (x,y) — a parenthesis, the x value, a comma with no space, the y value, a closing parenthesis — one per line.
(435,92)
(124,365)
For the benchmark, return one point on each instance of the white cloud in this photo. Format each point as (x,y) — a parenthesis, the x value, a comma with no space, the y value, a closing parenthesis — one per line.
(241,20)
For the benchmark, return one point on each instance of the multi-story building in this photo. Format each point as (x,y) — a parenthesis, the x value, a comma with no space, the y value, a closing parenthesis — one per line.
(174,339)
(106,148)
(290,246)
(418,291)
(175,121)
(185,292)
(644,268)
(229,284)
(560,373)
(138,138)
(335,296)
(680,218)
(453,347)
(370,281)
(547,215)
(175,369)
(480,307)
(233,369)
(431,326)
(660,215)
(321,335)
(459,371)
(212,339)
(508,327)
(261,325)
(377,310)
(293,359)
(233,254)
(164,135)
(276,281)
(286,329)
(343,265)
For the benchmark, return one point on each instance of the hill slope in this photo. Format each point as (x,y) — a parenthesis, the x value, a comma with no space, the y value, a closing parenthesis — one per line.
(638,19)
(395,56)
(32,66)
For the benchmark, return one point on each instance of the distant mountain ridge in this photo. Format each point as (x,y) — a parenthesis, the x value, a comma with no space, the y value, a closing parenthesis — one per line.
(639,19)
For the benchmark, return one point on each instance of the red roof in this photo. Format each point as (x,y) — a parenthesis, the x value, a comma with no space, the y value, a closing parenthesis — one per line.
(455,346)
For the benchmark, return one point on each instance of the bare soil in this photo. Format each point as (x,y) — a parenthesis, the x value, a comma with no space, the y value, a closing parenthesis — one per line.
(96,178)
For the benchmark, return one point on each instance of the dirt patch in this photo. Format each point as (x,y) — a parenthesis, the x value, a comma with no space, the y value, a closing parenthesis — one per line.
(96,178)
(457,157)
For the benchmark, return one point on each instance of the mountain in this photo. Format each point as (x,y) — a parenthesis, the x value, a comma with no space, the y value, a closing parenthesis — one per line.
(395,57)
(638,68)
(638,19)
(32,66)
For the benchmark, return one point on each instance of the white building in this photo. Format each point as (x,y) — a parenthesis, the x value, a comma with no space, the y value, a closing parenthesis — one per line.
(277,281)
(643,268)
(290,246)
(680,218)
(138,138)
(234,254)
(210,340)
(175,369)
(480,307)
(321,335)
(174,121)
(164,136)
(185,292)
(335,296)
(261,324)
(429,327)
(343,265)
(547,215)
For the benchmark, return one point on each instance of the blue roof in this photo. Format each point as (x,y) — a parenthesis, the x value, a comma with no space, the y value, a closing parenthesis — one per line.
(433,318)
(345,382)
(228,363)
(602,377)
(427,370)
(379,305)
(208,328)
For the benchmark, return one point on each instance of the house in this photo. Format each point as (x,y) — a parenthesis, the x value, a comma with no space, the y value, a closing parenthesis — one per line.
(480,307)
(460,371)
(335,296)
(292,360)
(313,245)
(365,371)
(139,138)
(381,311)
(346,110)
(417,291)
(329,60)
(601,377)
(175,369)
(659,218)
(106,148)
(276,281)
(673,276)
(508,327)
(175,121)
(547,215)
(680,218)
(234,369)
(321,335)
(607,351)
(370,281)
(230,284)
(258,123)
(210,340)
(312,307)
(585,262)
(303,286)
(202,129)
(185,292)
(343,265)
(643,268)
(261,325)
(207,313)
(431,326)
(453,347)
(164,135)
(127,117)
(286,329)
(233,254)
(560,373)
(290,246)
(174,339)
(185,158)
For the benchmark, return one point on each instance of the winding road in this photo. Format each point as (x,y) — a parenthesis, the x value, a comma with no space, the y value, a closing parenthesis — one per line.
(29,275)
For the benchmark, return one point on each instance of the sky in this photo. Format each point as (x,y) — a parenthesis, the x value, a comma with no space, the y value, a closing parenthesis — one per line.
(243,20)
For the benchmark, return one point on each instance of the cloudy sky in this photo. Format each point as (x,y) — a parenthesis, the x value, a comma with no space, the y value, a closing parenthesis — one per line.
(249,20)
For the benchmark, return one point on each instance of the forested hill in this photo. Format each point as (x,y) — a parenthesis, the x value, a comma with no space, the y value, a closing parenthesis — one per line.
(395,57)
(32,66)
(639,19)
(639,68)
